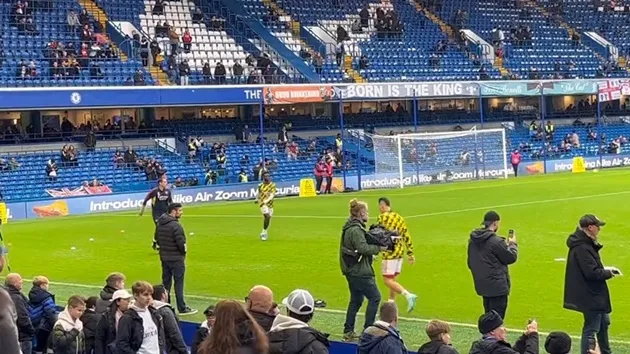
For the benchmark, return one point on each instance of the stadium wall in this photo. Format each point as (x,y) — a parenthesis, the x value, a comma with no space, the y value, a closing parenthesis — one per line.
(235,192)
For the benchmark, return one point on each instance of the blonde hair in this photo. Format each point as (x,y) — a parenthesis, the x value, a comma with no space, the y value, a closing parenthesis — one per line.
(114,278)
(40,280)
(356,208)
(141,287)
(435,328)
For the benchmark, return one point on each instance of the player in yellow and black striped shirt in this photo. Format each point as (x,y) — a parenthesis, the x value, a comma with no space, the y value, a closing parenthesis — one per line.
(266,193)
(393,260)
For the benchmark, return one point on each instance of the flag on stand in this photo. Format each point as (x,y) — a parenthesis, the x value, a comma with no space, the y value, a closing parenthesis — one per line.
(609,90)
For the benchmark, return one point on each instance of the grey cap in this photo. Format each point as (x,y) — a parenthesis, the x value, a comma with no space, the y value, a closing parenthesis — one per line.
(300,302)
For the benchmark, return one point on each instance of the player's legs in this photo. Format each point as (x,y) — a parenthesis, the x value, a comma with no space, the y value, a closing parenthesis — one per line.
(267,214)
(154,244)
(391,269)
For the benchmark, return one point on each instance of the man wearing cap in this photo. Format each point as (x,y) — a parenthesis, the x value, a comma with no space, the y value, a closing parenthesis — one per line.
(488,258)
(494,337)
(585,288)
(291,333)
(558,343)
(105,337)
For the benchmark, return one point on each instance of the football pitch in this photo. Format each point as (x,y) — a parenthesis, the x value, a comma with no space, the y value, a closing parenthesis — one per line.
(226,257)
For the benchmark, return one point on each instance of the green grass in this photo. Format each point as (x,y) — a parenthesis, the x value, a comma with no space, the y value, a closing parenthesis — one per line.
(226,257)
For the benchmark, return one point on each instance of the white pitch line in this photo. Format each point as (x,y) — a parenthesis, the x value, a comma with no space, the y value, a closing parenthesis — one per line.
(333,311)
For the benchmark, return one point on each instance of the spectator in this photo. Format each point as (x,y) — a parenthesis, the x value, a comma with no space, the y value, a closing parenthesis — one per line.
(204,329)
(90,141)
(90,319)
(42,311)
(8,329)
(197,15)
(173,37)
(342,34)
(216,23)
(184,71)
(260,305)
(67,336)
(172,335)
(211,177)
(131,156)
(178,183)
(242,176)
(219,73)
(318,63)
(221,160)
(108,325)
(234,331)
(206,71)
(113,283)
(187,39)
(96,73)
(155,50)
(73,21)
(283,138)
(84,18)
(382,336)
(237,73)
(364,63)
(558,343)
(158,8)
(575,139)
(550,130)
(494,339)
(439,333)
(140,327)
(291,333)
(292,151)
(51,170)
(145,50)
(14,164)
(26,331)
(119,159)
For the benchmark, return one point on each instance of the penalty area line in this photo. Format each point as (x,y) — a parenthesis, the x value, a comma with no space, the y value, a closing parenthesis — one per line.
(334,311)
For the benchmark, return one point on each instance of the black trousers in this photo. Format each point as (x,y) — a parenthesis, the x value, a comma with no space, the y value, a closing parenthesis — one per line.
(318,183)
(361,288)
(174,270)
(515,167)
(497,303)
(328,184)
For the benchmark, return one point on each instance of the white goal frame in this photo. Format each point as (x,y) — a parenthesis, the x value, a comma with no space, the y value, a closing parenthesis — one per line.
(441,135)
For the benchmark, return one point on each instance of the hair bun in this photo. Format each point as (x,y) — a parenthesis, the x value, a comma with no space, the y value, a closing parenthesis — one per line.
(354,203)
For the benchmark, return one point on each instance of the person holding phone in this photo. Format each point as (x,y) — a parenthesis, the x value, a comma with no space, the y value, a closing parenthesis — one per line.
(488,259)
(585,287)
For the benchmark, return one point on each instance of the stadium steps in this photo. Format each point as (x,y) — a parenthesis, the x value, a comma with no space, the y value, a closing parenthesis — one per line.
(444,27)
(498,64)
(97,13)
(354,74)
(159,76)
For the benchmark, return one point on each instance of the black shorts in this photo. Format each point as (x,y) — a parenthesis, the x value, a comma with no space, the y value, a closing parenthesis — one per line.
(156,216)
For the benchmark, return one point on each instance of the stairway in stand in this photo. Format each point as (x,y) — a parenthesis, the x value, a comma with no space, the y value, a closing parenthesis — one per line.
(450,33)
(97,13)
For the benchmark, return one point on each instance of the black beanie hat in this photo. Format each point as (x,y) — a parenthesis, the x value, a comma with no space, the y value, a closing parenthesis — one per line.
(490,321)
(558,343)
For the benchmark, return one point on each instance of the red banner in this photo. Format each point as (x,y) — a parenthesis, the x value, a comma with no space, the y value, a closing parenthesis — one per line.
(83,190)
(298,94)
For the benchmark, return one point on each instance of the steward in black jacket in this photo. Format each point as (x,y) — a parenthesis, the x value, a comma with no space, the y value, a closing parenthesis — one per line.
(488,258)
(585,288)
(130,333)
(171,238)
(26,331)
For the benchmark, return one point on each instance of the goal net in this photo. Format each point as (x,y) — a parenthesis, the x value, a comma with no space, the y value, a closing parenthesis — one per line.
(425,158)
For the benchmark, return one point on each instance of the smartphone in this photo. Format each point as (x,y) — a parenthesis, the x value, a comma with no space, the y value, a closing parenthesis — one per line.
(511,232)
(530,321)
(592,343)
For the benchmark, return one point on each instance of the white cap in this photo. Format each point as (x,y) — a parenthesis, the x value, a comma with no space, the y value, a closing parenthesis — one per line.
(300,302)
(121,294)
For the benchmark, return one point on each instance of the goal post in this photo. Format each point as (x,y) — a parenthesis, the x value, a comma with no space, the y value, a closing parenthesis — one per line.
(437,157)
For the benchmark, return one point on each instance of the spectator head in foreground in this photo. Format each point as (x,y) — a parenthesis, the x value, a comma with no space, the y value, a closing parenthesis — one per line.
(491,220)
(41,281)
(491,324)
(122,299)
(14,280)
(359,210)
(113,283)
(8,329)
(558,343)
(142,294)
(383,335)
(260,305)
(300,305)
(75,307)
(439,333)
(234,331)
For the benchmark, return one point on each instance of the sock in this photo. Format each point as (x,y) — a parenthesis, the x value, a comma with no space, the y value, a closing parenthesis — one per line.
(405,293)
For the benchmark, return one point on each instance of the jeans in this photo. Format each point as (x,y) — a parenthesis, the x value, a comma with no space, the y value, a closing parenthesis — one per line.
(174,270)
(360,288)
(596,325)
(497,303)
(27,347)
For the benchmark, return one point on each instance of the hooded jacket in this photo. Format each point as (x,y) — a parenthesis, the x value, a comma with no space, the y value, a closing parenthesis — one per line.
(436,347)
(171,238)
(130,333)
(488,258)
(585,288)
(526,344)
(355,254)
(172,335)
(41,308)
(105,299)
(381,338)
(265,320)
(291,336)
(67,336)
(105,339)
(90,321)
(26,330)
(202,333)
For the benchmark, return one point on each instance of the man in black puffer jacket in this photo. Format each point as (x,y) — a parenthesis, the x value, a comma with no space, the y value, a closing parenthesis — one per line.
(141,326)
(171,240)
(488,258)
(291,334)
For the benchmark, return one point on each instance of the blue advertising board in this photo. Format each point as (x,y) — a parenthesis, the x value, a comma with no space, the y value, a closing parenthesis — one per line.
(566,165)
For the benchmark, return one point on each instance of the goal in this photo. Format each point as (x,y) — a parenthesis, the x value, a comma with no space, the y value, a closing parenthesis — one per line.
(425,158)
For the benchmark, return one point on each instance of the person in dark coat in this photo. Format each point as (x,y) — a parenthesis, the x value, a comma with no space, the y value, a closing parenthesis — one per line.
(204,329)
(105,340)
(234,322)
(114,282)
(42,311)
(439,333)
(382,337)
(9,337)
(131,334)
(488,258)
(173,338)
(494,339)
(585,288)
(171,241)
(291,334)
(90,319)
(261,306)
(67,335)
(26,331)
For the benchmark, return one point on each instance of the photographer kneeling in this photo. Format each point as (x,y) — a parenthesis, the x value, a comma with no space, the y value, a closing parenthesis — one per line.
(356,265)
